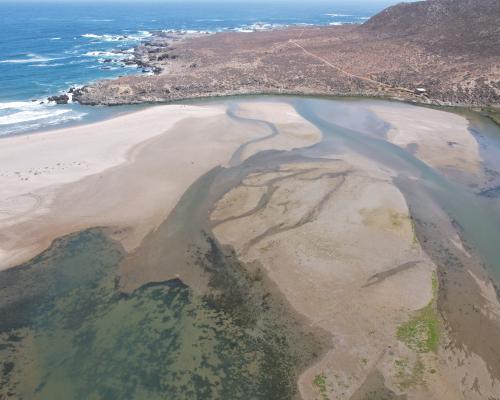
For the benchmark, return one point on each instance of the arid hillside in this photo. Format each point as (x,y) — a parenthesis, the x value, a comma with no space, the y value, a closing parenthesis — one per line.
(447,26)
(436,51)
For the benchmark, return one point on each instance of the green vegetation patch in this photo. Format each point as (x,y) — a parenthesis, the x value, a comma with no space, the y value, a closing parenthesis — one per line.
(421,333)
(320,383)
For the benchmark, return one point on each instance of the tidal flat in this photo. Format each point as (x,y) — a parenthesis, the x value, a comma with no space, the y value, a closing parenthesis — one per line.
(252,248)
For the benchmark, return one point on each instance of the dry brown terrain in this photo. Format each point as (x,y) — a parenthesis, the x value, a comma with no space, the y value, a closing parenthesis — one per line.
(435,45)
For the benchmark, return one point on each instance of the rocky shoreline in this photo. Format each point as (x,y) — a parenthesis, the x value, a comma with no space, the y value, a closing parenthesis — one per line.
(388,56)
(141,56)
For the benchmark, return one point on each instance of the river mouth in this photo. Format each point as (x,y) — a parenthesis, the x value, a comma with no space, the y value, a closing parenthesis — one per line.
(82,318)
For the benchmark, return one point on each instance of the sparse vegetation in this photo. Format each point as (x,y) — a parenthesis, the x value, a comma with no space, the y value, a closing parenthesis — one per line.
(409,376)
(415,238)
(397,218)
(320,383)
(421,333)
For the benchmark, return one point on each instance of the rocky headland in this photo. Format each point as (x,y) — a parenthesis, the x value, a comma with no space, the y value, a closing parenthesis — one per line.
(444,52)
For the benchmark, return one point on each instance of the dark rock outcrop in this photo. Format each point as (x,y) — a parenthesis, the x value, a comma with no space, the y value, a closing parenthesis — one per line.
(60,99)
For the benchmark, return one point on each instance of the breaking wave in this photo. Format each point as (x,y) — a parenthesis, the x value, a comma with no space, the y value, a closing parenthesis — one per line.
(29,58)
(135,37)
(20,116)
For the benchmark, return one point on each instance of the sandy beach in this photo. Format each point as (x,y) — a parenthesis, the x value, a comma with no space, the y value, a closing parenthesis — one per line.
(41,201)
(334,233)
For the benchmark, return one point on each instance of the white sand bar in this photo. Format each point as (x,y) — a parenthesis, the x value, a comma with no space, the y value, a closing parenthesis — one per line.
(52,183)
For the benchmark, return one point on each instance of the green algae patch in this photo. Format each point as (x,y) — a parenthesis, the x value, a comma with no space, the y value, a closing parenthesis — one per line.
(320,384)
(68,332)
(421,333)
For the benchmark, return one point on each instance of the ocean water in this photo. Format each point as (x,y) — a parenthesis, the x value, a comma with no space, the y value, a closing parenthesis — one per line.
(47,47)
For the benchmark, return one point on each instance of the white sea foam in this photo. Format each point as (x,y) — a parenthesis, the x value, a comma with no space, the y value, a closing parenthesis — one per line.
(20,116)
(32,58)
(209,20)
(55,38)
(26,116)
(13,129)
(42,84)
(96,20)
(103,54)
(107,38)
(23,105)
(259,26)
(140,35)
(339,15)
(78,61)
(186,31)
(46,65)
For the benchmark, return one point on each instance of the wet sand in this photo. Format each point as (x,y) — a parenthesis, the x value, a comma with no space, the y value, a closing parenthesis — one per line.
(250,186)
(53,183)
(326,233)
(441,139)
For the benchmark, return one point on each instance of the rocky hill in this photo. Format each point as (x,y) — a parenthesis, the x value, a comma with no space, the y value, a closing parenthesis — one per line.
(435,51)
(452,26)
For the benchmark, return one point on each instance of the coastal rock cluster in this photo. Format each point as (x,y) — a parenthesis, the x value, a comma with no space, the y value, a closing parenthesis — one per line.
(148,56)
(428,52)
(60,99)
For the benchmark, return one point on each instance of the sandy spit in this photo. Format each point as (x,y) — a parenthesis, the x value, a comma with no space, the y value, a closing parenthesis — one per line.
(62,181)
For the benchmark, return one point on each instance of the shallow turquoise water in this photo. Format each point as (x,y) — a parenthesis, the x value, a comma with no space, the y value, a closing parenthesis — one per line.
(67,332)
